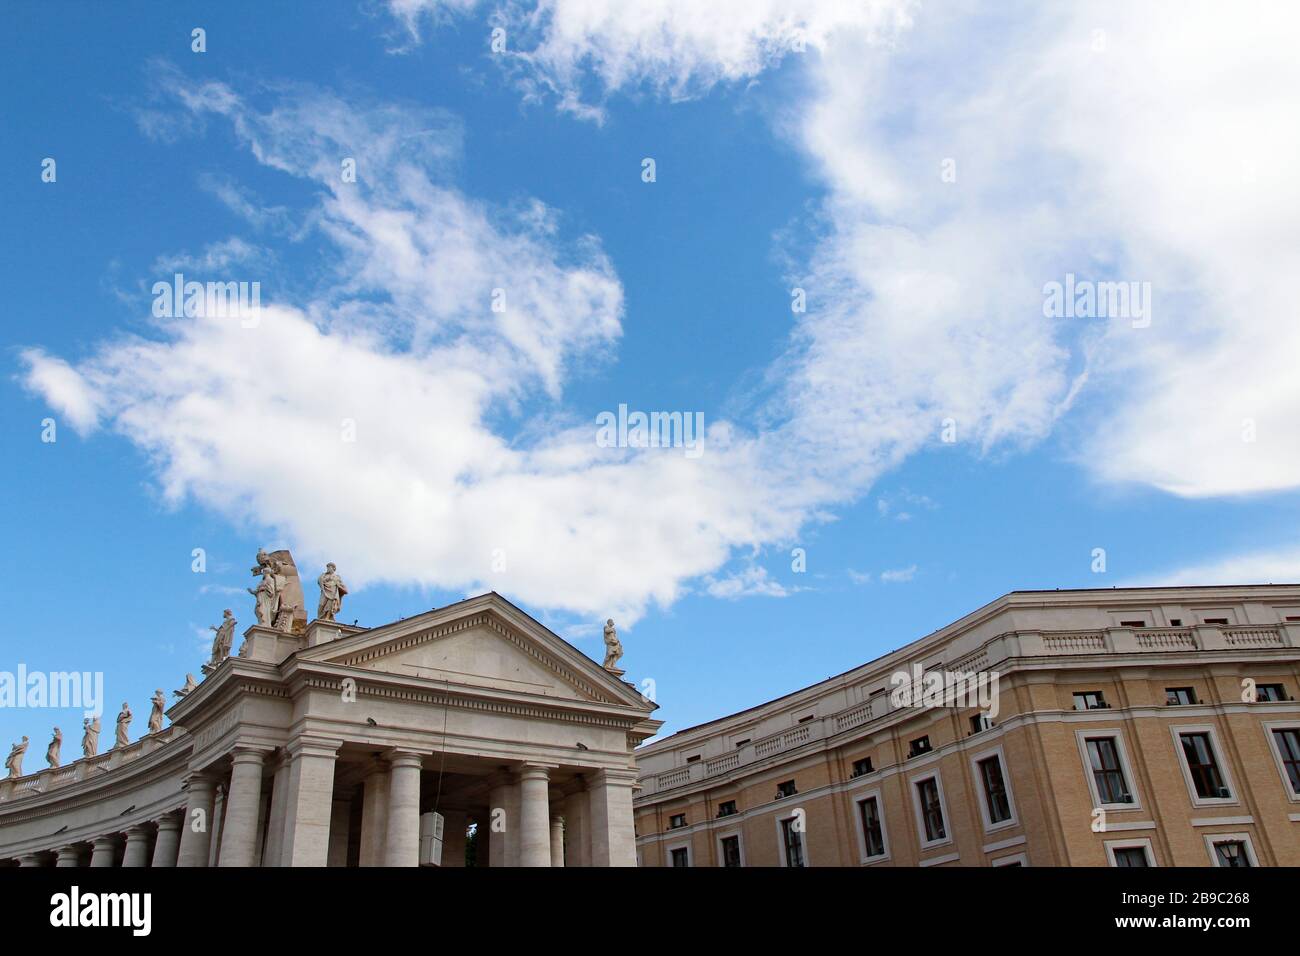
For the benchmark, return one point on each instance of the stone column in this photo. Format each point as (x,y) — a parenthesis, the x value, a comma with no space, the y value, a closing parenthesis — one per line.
(613,839)
(501,821)
(168,843)
(374,815)
(103,852)
(218,824)
(577,830)
(30,859)
(534,816)
(68,856)
(243,804)
(402,846)
(279,808)
(454,825)
(340,827)
(557,840)
(137,847)
(196,824)
(311,799)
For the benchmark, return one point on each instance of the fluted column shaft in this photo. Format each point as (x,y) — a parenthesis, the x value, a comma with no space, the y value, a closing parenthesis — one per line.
(534,817)
(168,843)
(557,841)
(196,825)
(244,802)
(137,847)
(403,840)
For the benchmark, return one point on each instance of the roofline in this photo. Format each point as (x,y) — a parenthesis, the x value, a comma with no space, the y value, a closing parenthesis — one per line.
(967,620)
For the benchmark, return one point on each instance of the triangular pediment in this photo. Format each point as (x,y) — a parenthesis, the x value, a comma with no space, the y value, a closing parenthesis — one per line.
(483,642)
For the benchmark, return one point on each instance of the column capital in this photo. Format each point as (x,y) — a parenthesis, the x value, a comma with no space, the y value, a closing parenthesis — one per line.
(398,759)
(245,753)
(136,832)
(613,778)
(103,842)
(168,821)
(535,771)
(199,781)
(313,747)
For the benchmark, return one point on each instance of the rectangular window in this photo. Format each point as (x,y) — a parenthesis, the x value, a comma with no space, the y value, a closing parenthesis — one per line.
(731,851)
(741,743)
(1270,692)
(862,766)
(1201,764)
(793,841)
(1107,773)
(979,723)
(1090,700)
(995,790)
(927,792)
(1132,623)
(873,834)
(676,820)
(693,758)
(681,856)
(921,745)
(727,808)
(785,789)
(1179,696)
(1131,856)
(1288,746)
(1216,620)
(1231,853)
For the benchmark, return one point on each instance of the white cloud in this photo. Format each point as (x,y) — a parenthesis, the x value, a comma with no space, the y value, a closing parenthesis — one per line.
(402,349)
(752,581)
(898,575)
(1279,566)
(1118,141)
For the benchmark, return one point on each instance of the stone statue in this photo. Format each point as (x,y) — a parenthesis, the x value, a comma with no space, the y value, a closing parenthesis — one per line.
(613,649)
(15,761)
(190,684)
(90,739)
(52,751)
(156,714)
(123,724)
(332,590)
(225,637)
(265,593)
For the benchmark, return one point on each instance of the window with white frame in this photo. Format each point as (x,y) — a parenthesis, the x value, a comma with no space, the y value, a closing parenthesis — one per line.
(1107,766)
(1130,853)
(1207,778)
(680,856)
(1231,850)
(871,823)
(930,812)
(729,847)
(791,832)
(995,793)
(1286,750)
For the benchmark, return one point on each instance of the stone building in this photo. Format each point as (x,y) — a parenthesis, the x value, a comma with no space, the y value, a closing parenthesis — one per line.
(1135,727)
(323,744)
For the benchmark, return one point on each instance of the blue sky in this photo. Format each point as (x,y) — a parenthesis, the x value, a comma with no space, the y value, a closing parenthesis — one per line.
(793,147)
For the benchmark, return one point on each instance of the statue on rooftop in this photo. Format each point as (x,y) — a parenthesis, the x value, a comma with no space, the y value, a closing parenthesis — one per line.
(123,726)
(156,714)
(14,763)
(266,594)
(332,590)
(52,751)
(190,684)
(90,739)
(225,637)
(613,648)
